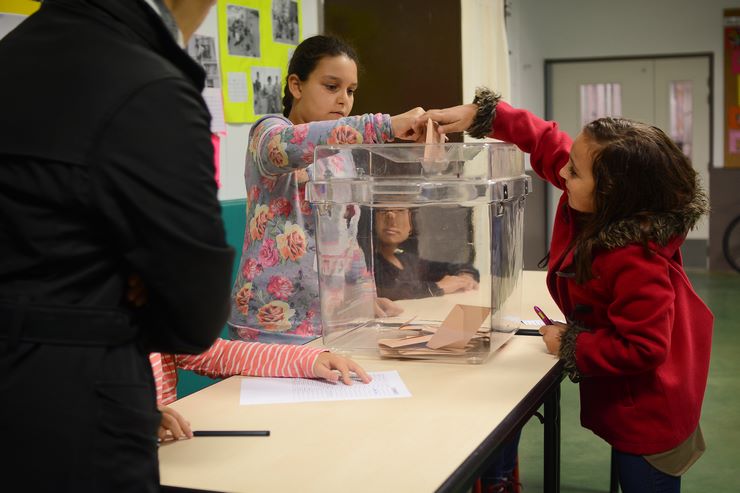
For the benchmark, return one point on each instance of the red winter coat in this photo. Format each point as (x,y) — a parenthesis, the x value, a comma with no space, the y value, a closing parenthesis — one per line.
(638,336)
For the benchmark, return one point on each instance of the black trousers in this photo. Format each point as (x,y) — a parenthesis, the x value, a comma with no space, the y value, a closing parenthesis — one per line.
(77,419)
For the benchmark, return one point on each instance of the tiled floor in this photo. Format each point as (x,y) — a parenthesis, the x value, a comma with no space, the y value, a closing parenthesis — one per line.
(585,457)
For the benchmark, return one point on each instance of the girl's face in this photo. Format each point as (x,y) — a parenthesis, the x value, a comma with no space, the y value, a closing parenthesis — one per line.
(578,175)
(327,94)
(392,226)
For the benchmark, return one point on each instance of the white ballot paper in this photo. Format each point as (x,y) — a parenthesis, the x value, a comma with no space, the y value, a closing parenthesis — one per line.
(259,390)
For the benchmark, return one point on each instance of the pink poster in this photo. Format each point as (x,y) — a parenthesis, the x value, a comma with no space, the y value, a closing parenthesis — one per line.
(216,140)
(735,58)
(733,141)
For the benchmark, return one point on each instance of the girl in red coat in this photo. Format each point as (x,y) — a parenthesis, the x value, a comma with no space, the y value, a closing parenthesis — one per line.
(637,337)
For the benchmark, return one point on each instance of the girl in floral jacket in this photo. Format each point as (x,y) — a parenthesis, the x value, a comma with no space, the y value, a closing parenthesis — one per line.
(637,337)
(275,296)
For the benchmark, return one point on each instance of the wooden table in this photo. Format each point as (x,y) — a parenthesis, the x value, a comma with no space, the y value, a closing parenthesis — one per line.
(437,440)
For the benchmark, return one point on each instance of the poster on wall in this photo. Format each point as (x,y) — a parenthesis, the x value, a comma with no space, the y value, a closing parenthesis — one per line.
(732,87)
(13,12)
(256,38)
(202,49)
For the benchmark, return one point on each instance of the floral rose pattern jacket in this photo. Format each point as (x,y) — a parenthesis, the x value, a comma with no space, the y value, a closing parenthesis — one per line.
(276,294)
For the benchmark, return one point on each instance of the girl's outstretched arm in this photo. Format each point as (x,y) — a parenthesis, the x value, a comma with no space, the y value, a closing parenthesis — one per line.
(276,146)
(547,145)
(488,116)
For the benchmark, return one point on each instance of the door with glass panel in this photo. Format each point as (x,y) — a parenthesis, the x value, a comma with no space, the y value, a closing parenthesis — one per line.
(682,111)
(669,92)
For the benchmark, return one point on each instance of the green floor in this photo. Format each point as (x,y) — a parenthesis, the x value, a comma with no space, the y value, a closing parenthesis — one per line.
(585,457)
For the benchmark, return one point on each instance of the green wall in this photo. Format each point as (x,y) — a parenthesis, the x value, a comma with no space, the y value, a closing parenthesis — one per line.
(234,214)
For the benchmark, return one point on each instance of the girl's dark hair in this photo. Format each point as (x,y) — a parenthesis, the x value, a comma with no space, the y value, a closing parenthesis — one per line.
(307,55)
(638,172)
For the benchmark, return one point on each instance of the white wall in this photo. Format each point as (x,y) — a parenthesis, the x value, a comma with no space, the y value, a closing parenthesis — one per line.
(543,29)
(234,145)
(485,59)
(548,29)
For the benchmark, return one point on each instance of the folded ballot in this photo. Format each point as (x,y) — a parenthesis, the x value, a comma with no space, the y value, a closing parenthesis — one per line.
(435,156)
(452,336)
(459,327)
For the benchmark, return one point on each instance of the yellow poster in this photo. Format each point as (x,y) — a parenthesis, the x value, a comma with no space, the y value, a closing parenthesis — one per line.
(13,12)
(256,39)
(23,7)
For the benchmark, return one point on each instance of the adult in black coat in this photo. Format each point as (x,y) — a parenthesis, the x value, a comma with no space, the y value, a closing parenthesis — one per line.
(106,174)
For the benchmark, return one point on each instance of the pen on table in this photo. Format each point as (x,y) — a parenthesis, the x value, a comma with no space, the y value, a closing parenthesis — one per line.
(542,316)
(231,433)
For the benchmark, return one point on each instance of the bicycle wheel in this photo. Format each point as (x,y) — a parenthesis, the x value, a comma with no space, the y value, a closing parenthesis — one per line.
(731,244)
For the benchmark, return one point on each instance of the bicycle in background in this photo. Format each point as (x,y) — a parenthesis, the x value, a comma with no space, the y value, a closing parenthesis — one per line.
(731,243)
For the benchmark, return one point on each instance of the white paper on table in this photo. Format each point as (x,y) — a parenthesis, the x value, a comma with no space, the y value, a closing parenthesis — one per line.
(259,390)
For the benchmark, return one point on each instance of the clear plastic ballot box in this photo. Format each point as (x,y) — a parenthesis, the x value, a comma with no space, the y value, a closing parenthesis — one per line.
(419,247)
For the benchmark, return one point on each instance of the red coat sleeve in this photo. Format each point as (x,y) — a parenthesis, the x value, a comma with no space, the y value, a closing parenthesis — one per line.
(548,146)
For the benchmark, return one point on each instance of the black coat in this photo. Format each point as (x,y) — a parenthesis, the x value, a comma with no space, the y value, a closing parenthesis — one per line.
(106,170)
(417,279)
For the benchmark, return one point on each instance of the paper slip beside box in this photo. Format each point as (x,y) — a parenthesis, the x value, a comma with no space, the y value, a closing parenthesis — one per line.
(454,334)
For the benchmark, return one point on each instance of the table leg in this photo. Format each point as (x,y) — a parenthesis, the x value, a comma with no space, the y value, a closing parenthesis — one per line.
(552,442)
(614,475)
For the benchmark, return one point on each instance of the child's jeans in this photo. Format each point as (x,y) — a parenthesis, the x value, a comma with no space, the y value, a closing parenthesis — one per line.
(502,469)
(636,475)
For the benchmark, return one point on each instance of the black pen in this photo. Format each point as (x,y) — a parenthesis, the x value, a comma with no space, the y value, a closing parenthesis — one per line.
(231,433)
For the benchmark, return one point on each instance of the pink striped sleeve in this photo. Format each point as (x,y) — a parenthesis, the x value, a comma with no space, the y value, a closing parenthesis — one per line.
(165,377)
(155,359)
(227,358)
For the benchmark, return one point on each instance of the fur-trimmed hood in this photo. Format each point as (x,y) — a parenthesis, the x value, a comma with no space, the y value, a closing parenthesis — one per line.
(662,227)
(666,230)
